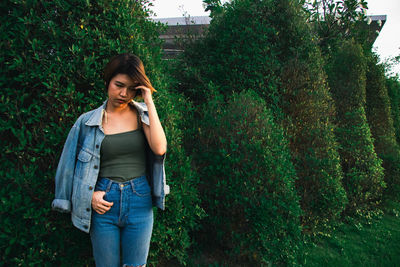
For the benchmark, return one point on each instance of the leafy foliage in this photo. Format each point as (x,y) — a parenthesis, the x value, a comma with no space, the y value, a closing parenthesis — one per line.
(379,115)
(267,46)
(247,181)
(53,53)
(393,87)
(236,37)
(290,142)
(337,20)
(308,104)
(363,173)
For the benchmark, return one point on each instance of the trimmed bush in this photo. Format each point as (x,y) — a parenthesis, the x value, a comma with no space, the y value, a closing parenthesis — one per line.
(53,53)
(172,229)
(363,172)
(393,87)
(379,115)
(234,54)
(267,46)
(247,182)
(310,109)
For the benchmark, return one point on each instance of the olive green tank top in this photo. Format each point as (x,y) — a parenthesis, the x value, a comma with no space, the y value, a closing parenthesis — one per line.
(123,155)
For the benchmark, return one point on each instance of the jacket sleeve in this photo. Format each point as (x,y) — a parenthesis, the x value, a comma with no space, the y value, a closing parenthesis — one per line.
(65,172)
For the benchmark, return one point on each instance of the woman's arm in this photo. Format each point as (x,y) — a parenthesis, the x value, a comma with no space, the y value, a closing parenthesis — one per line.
(154,132)
(65,172)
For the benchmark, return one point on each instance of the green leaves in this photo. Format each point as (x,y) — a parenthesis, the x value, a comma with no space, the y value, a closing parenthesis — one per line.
(248,185)
(267,46)
(54,53)
(381,120)
(363,173)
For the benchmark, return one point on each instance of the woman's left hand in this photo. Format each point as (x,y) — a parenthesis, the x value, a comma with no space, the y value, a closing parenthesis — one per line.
(153,131)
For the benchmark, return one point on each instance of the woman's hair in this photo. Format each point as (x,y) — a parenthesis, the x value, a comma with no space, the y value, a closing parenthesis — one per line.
(130,65)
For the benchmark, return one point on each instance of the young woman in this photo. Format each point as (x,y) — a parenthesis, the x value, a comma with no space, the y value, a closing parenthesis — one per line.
(111,170)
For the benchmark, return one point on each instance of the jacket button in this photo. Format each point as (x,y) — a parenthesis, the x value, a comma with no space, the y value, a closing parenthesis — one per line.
(97,146)
(90,187)
(96,167)
(87,209)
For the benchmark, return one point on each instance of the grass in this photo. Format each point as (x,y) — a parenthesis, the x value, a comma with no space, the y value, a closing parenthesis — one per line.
(375,242)
(357,242)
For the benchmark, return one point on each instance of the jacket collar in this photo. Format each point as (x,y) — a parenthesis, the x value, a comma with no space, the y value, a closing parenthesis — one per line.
(96,117)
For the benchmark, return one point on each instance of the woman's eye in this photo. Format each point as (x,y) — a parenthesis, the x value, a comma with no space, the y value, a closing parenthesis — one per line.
(133,87)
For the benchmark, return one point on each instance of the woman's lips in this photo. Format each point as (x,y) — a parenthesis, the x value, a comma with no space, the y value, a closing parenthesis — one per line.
(121,101)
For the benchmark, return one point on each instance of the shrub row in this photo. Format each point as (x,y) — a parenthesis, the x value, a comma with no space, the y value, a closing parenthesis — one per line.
(247,181)
(363,172)
(282,64)
(52,55)
(266,137)
(379,115)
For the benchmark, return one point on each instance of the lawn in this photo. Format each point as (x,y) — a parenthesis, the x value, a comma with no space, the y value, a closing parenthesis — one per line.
(375,242)
(355,242)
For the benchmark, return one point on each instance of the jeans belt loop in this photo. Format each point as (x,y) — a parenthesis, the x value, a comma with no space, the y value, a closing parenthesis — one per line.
(132,185)
(109,185)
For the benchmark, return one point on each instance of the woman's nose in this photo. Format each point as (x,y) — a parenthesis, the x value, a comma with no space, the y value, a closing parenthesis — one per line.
(123,91)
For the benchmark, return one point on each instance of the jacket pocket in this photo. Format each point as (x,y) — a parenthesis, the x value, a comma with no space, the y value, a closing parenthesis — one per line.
(84,156)
(83,164)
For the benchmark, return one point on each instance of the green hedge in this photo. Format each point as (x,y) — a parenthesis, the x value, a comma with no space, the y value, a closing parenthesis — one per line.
(363,172)
(393,87)
(52,55)
(310,109)
(234,54)
(379,115)
(247,182)
(267,46)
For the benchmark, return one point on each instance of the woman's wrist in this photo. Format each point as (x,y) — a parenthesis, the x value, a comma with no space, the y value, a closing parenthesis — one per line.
(149,101)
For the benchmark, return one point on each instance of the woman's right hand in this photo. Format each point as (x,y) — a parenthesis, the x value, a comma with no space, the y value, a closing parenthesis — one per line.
(100,205)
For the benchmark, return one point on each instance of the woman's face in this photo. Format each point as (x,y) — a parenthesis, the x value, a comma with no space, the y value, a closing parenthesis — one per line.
(121,89)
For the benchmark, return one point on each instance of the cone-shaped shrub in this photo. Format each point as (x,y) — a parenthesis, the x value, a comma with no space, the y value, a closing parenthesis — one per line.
(310,111)
(53,54)
(247,181)
(393,87)
(267,46)
(363,173)
(380,120)
(236,53)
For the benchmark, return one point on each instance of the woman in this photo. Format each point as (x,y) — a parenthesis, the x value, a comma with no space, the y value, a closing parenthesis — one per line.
(111,171)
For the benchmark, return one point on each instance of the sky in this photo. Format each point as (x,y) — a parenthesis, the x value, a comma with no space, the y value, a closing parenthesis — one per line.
(386,45)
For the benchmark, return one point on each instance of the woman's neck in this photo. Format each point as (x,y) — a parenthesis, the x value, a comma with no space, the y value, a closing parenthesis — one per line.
(117,110)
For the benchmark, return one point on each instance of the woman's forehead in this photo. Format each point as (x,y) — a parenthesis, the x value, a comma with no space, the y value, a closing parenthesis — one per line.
(124,78)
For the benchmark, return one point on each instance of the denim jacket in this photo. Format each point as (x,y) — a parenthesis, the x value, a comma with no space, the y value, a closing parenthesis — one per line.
(79,167)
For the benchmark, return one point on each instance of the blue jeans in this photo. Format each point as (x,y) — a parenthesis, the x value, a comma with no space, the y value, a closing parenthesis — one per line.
(127,226)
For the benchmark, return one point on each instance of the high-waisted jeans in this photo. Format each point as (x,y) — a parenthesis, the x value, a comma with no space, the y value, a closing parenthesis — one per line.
(126,228)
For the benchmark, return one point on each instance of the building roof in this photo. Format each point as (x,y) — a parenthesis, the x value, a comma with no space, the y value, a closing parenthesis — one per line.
(197,20)
(193,27)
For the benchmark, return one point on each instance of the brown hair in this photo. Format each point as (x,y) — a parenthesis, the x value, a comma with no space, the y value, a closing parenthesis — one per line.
(130,65)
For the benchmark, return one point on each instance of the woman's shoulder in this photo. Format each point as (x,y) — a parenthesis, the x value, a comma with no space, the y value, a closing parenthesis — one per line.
(141,106)
(91,117)
(143,111)
(87,114)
